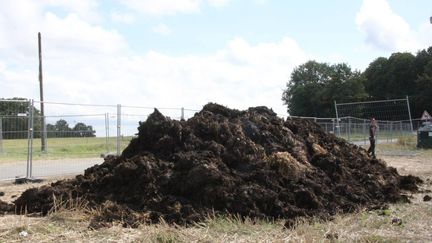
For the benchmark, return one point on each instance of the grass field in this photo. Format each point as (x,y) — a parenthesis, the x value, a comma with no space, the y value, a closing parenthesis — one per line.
(414,221)
(384,136)
(90,147)
(16,149)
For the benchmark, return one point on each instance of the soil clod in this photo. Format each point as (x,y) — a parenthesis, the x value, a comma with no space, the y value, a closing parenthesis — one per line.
(6,207)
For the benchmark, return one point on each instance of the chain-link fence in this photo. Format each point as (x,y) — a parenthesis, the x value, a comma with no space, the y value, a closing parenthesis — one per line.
(356,130)
(395,124)
(68,138)
(72,137)
(15,137)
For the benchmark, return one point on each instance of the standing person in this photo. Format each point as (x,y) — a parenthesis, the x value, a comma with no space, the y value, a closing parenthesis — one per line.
(372,136)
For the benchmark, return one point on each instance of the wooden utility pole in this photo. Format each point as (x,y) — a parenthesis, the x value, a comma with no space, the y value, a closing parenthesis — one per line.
(43,127)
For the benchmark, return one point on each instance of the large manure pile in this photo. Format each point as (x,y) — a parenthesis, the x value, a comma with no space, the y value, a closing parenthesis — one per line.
(248,163)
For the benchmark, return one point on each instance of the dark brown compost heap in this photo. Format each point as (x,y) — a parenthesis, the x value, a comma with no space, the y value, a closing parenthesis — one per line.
(248,163)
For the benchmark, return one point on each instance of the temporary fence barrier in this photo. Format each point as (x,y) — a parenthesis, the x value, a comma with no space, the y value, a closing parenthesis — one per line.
(72,137)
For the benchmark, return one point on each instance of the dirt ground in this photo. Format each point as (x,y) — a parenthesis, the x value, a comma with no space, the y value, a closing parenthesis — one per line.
(12,191)
(420,166)
(225,163)
(367,226)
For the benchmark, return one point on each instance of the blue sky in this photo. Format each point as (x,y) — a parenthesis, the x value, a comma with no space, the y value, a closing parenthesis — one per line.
(185,53)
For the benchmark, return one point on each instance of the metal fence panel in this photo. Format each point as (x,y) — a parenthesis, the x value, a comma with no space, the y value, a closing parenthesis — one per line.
(80,135)
(357,131)
(77,137)
(14,131)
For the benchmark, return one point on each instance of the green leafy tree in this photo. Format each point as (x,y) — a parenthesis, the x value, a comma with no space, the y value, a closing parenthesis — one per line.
(391,78)
(61,129)
(82,130)
(314,87)
(400,75)
(14,118)
(376,78)
(423,98)
(301,94)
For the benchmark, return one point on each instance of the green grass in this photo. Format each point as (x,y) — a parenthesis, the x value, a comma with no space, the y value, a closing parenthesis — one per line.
(58,148)
(382,135)
(16,149)
(407,143)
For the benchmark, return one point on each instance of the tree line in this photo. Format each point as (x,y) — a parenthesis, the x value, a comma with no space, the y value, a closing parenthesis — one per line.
(313,86)
(61,129)
(14,122)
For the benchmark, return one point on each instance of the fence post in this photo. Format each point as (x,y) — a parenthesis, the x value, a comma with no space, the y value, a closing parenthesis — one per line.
(409,112)
(107,132)
(333,127)
(349,129)
(337,119)
(30,140)
(118,128)
(1,135)
(387,131)
(365,135)
(44,136)
(401,128)
(391,131)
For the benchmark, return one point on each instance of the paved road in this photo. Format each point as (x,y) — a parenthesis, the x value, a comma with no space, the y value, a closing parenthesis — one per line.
(47,168)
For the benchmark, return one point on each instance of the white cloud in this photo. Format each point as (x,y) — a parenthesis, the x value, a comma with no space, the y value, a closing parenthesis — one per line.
(70,44)
(162,28)
(87,63)
(385,29)
(425,34)
(163,7)
(240,75)
(169,7)
(72,33)
(85,9)
(126,18)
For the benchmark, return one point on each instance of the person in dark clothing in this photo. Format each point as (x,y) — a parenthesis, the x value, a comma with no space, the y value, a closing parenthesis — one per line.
(372,136)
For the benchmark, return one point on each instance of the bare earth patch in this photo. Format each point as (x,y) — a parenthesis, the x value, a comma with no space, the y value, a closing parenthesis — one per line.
(12,191)
(418,165)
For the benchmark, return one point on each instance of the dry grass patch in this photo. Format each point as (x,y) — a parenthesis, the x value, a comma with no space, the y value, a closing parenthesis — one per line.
(364,226)
(399,223)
